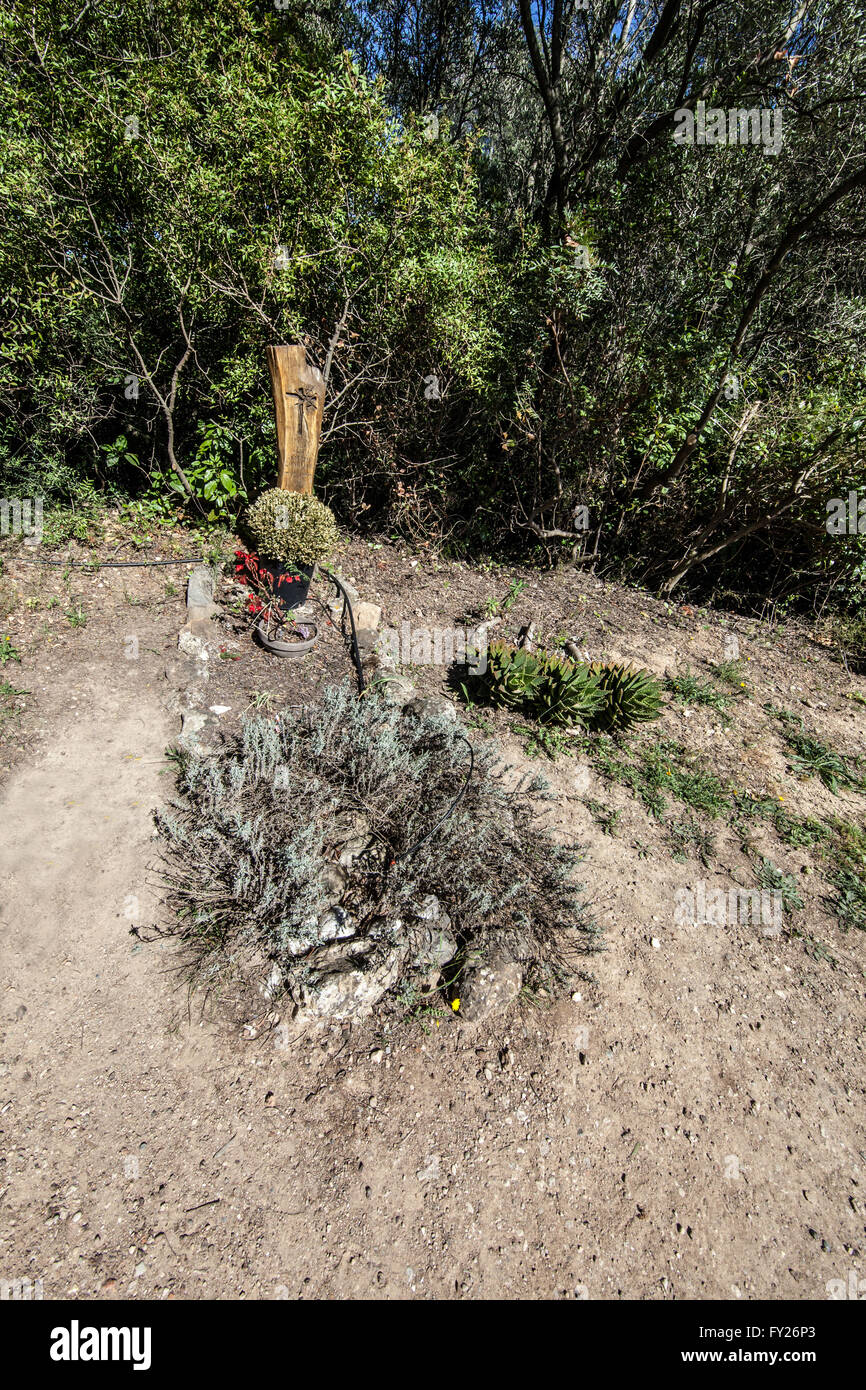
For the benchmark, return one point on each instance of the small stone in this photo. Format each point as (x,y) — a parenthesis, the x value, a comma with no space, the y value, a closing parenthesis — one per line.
(429,909)
(427,706)
(430,1171)
(335,925)
(346,993)
(430,941)
(191,643)
(334,880)
(489,986)
(368,615)
(193,721)
(273,983)
(200,607)
(352,836)
(200,587)
(397,691)
(219,709)
(656,944)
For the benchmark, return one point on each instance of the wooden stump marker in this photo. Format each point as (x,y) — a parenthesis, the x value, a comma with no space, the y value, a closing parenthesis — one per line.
(299,399)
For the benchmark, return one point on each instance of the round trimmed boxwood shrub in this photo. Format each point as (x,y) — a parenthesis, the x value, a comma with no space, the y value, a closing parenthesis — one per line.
(292,527)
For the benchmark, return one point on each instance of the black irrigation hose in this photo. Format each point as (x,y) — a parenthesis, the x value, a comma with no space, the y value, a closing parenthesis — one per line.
(347,603)
(356,656)
(99,564)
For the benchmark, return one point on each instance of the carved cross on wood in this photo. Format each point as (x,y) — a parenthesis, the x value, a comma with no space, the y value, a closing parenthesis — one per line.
(299,399)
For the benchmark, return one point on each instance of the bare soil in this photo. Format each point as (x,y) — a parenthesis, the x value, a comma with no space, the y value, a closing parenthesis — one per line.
(689,1125)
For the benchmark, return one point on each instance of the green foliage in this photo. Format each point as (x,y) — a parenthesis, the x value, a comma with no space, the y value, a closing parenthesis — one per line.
(558,691)
(495,606)
(164,221)
(76,616)
(777,881)
(812,757)
(292,527)
(253,839)
(690,689)
(689,838)
(668,767)
(847,856)
(182,185)
(10,708)
(732,673)
(552,743)
(658,769)
(849,901)
(211,474)
(607,819)
(631,696)
(8,650)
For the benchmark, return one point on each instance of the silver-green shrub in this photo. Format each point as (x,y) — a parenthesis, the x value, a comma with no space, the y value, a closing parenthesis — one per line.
(293,527)
(252,841)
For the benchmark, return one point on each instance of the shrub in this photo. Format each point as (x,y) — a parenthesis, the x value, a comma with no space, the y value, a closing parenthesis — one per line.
(317,825)
(293,527)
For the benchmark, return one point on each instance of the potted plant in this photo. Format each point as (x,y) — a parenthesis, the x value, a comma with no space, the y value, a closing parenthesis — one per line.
(292,531)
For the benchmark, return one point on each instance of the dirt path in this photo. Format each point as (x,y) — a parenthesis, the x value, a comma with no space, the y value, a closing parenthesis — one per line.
(692,1126)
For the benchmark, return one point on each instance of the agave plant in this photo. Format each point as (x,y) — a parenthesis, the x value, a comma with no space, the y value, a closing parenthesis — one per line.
(631,696)
(567,692)
(558,691)
(511,675)
(555,690)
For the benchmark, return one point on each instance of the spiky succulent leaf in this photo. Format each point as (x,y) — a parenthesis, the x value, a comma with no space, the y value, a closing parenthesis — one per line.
(511,675)
(632,696)
(567,692)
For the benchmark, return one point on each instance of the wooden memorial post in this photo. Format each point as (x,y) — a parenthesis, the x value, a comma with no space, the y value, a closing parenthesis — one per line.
(299,399)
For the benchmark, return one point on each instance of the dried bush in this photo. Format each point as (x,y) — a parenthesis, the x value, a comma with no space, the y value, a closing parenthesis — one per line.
(283,849)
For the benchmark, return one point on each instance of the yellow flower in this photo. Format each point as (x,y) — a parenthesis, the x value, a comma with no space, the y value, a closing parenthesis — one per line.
(455,1004)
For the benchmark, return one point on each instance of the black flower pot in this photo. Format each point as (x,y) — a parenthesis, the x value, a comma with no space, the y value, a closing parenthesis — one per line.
(289,583)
